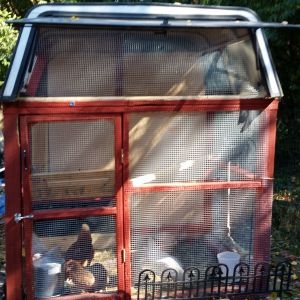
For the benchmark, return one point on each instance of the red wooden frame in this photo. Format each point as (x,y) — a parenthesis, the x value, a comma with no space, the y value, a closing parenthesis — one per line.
(193,186)
(13,230)
(31,110)
(89,296)
(264,199)
(68,105)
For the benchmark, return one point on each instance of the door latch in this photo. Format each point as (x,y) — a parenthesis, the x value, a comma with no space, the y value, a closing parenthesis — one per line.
(123,255)
(18,217)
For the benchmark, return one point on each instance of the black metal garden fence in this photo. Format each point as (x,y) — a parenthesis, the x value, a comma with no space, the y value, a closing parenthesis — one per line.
(216,282)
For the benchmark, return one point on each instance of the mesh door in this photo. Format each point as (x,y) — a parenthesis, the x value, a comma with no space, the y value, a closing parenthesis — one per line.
(182,229)
(98,62)
(66,261)
(196,146)
(72,162)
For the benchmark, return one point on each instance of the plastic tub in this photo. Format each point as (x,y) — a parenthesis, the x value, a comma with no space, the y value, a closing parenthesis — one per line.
(46,279)
(230,259)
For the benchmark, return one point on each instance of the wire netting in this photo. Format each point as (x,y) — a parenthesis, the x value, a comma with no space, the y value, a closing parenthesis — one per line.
(111,62)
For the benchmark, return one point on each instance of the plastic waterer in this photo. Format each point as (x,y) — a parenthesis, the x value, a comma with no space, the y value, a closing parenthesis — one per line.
(47,277)
(230,259)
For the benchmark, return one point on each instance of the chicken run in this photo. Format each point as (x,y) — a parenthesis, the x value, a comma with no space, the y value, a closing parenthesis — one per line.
(137,137)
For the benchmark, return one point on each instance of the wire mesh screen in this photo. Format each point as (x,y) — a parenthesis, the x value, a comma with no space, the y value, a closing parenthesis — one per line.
(98,62)
(180,229)
(73,256)
(196,146)
(72,161)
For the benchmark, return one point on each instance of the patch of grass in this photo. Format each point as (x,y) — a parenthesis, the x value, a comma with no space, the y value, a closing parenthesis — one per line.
(286,226)
(286,237)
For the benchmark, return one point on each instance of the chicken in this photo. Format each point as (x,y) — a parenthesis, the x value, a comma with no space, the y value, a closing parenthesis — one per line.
(101,276)
(81,279)
(82,250)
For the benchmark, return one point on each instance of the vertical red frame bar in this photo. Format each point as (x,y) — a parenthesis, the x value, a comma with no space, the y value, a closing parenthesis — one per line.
(127,242)
(27,208)
(13,230)
(263,205)
(119,200)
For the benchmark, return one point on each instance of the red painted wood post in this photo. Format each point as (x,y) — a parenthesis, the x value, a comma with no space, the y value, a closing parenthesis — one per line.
(263,205)
(13,233)
(126,206)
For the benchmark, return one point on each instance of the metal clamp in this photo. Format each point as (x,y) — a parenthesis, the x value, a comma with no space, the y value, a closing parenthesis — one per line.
(18,217)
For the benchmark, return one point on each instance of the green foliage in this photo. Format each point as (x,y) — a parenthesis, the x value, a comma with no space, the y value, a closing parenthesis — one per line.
(8,37)
(286,225)
(21,7)
(15,7)
(285,240)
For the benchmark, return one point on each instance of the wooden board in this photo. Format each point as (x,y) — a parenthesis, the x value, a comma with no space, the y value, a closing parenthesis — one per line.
(72,185)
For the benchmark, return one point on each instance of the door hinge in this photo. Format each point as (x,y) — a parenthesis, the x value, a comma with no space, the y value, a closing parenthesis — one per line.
(25,160)
(18,217)
(123,255)
(122,156)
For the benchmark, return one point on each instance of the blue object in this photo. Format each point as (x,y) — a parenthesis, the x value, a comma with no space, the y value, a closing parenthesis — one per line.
(2,204)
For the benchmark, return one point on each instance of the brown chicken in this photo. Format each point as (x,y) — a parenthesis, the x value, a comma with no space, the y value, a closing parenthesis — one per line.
(82,250)
(78,277)
(90,279)
(101,276)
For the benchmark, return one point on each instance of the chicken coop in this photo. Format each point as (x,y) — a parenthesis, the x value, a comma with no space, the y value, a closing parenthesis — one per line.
(137,137)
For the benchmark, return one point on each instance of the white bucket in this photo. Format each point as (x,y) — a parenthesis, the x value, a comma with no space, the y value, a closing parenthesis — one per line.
(46,279)
(230,259)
